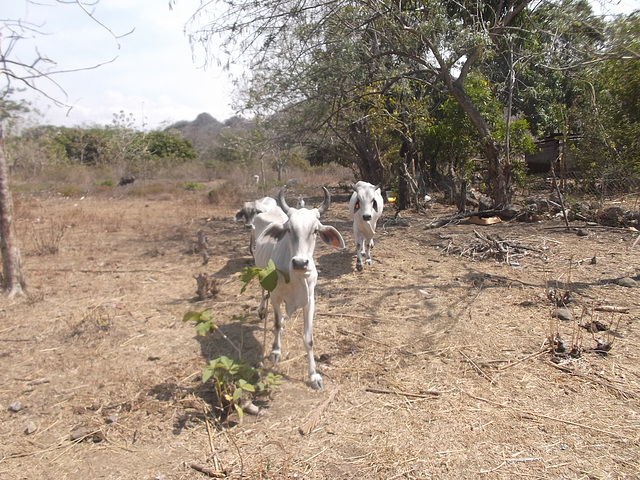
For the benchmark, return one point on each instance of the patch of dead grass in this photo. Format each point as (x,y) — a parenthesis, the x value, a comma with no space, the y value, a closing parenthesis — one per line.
(99,344)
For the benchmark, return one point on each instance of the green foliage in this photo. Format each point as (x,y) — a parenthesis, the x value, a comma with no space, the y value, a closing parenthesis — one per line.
(268,276)
(203,321)
(170,146)
(193,186)
(231,379)
(104,183)
(607,115)
(83,146)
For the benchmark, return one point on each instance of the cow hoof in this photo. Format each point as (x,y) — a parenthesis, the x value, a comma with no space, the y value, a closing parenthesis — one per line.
(275,356)
(315,381)
(369,262)
(359,267)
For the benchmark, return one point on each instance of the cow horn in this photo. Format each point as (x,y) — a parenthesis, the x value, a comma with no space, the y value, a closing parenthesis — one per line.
(327,201)
(282,202)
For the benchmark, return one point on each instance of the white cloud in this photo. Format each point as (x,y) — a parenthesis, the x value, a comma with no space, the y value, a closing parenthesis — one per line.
(153,73)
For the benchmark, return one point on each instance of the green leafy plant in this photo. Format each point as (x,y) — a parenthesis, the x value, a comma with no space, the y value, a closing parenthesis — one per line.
(204,321)
(104,183)
(193,186)
(268,276)
(231,379)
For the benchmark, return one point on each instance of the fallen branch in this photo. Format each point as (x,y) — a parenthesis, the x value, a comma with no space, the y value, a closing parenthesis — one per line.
(430,394)
(594,380)
(612,308)
(315,416)
(440,222)
(208,471)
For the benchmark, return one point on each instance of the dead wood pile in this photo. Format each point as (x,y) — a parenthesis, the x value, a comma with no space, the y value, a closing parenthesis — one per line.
(489,247)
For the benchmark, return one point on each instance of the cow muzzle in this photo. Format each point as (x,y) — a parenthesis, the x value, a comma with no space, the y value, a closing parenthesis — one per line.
(300,265)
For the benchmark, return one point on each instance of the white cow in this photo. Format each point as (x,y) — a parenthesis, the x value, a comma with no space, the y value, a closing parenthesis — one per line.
(290,244)
(365,208)
(249,211)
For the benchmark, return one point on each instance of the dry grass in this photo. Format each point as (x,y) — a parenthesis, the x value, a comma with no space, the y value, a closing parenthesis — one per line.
(439,364)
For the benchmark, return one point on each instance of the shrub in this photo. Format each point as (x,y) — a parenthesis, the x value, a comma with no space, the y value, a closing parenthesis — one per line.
(193,186)
(104,183)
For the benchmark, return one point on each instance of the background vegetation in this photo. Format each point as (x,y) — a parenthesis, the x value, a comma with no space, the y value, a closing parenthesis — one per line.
(418,97)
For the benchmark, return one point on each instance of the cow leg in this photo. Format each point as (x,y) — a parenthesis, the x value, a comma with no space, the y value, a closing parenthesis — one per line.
(368,257)
(278,322)
(264,305)
(315,379)
(359,249)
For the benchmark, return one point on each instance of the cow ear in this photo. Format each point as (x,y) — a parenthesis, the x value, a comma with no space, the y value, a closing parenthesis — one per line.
(277,231)
(331,236)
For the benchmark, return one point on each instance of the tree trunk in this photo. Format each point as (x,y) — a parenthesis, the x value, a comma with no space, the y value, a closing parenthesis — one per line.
(499,174)
(11,269)
(367,155)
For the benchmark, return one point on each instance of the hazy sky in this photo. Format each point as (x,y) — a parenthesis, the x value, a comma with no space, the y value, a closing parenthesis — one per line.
(154,76)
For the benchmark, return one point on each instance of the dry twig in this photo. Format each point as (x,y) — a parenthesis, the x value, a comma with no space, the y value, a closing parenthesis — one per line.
(612,308)
(210,472)
(476,367)
(430,394)
(594,380)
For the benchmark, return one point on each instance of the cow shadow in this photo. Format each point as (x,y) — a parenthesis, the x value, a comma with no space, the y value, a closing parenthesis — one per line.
(334,264)
(236,340)
(233,267)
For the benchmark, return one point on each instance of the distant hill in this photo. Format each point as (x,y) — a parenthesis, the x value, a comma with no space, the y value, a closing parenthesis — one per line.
(204,131)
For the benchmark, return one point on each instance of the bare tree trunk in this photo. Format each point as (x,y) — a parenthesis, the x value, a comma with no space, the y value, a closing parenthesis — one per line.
(499,173)
(367,155)
(11,269)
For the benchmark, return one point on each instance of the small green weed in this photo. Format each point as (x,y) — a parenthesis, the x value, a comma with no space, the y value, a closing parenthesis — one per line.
(231,379)
(193,186)
(104,183)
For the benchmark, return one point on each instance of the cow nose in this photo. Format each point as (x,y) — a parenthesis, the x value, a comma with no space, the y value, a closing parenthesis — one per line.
(299,263)
(366,217)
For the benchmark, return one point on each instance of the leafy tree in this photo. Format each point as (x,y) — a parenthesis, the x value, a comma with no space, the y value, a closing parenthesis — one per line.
(323,60)
(82,146)
(607,112)
(170,145)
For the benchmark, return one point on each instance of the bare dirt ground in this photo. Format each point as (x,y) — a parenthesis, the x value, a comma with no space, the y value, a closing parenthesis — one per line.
(436,364)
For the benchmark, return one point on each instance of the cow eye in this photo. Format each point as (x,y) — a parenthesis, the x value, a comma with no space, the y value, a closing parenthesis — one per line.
(375,205)
(357,205)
